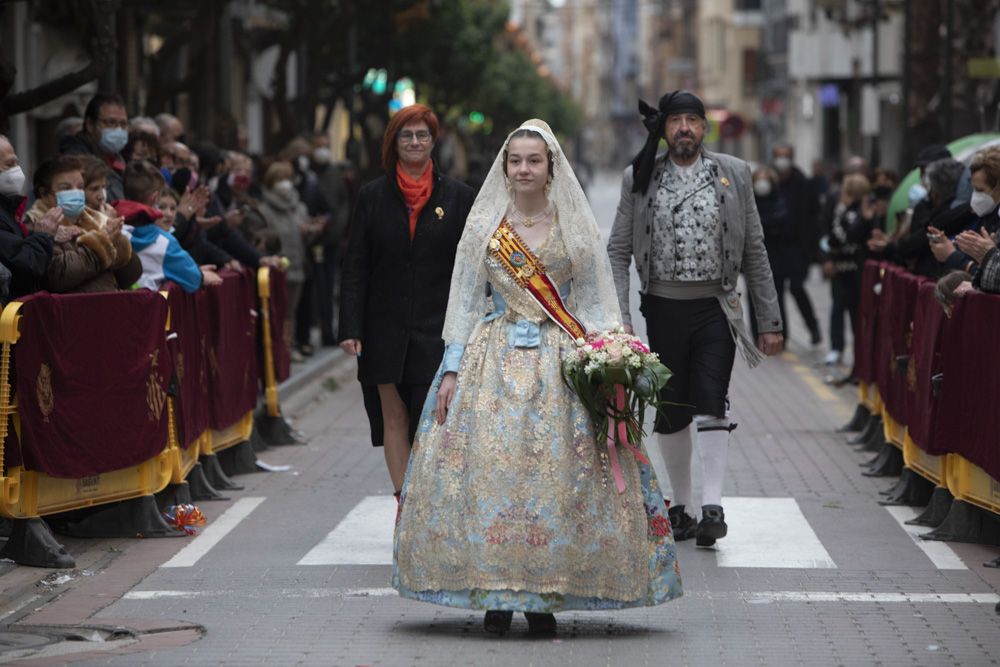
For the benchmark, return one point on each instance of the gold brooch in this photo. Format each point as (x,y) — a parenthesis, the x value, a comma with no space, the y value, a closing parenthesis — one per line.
(724,181)
(494,244)
(439,212)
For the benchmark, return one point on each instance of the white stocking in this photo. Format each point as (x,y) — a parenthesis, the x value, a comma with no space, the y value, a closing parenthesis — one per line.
(676,450)
(712,449)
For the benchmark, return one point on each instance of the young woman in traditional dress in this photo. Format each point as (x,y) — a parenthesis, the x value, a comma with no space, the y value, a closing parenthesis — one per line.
(507,504)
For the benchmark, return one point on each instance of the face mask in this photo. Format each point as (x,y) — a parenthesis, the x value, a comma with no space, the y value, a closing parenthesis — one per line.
(782,163)
(239,182)
(113,139)
(213,183)
(762,188)
(302,162)
(916,194)
(981,203)
(322,155)
(71,202)
(284,186)
(12,181)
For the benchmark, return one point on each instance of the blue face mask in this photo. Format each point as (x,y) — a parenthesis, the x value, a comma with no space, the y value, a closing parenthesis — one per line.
(916,194)
(113,139)
(71,202)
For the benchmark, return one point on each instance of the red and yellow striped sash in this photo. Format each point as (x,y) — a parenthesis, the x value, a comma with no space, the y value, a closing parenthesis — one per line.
(529,273)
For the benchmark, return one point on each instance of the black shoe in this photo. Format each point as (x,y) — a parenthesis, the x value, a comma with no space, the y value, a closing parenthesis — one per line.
(498,622)
(682,524)
(712,526)
(814,336)
(307,350)
(540,624)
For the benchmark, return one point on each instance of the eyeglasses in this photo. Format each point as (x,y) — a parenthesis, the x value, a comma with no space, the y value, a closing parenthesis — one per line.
(422,136)
(113,122)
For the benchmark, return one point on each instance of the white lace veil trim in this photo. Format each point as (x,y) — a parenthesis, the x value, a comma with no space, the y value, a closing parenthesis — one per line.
(593,299)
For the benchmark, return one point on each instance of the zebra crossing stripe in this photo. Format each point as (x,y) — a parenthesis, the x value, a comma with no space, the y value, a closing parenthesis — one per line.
(769,532)
(214,533)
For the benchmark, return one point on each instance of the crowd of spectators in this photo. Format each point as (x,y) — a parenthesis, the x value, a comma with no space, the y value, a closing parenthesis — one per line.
(946,232)
(127,204)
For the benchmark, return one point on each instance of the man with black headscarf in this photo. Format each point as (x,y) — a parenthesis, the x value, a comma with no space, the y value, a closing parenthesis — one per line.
(689,219)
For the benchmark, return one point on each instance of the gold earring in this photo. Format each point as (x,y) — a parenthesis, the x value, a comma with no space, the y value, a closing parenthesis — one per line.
(510,187)
(548,187)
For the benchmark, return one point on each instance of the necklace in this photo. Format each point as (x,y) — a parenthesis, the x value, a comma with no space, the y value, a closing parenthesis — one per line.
(530,221)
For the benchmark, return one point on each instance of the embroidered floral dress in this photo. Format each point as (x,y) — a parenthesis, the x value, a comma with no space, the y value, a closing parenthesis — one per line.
(508,504)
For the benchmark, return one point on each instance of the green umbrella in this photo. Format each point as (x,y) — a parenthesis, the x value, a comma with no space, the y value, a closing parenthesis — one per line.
(961,149)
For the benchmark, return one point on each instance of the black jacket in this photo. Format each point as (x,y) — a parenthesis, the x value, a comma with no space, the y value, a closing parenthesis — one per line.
(193,239)
(802,201)
(395,291)
(229,240)
(780,234)
(27,257)
(80,144)
(847,235)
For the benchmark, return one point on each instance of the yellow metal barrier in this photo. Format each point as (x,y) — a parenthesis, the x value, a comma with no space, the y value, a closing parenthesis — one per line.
(234,435)
(864,397)
(894,432)
(970,483)
(26,494)
(270,378)
(929,466)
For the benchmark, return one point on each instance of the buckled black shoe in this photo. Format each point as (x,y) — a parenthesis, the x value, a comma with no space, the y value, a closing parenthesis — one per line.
(540,624)
(682,524)
(498,622)
(712,525)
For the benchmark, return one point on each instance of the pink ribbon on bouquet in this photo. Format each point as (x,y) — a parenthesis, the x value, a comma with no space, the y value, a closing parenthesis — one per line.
(619,424)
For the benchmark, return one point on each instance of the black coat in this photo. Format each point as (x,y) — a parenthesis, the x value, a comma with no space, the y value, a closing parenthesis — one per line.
(803,203)
(395,291)
(27,257)
(780,233)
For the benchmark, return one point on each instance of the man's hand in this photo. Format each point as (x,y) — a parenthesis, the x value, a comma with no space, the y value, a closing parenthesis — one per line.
(67,233)
(878,241)
(272,261)
(351,346)
(828,269)
(206,223)
(209,277)
(234,264)
(976,245)
(445,394)
(234,218)
(941,246)
(50,221)
(771,343)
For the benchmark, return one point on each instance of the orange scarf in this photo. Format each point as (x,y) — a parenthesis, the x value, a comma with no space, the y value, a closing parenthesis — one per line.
(416,192)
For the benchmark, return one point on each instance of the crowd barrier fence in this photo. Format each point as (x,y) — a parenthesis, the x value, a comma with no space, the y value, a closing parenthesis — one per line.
(107,398)
(930,383)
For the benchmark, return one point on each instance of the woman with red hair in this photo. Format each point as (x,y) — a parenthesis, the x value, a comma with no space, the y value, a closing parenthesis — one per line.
(396,276)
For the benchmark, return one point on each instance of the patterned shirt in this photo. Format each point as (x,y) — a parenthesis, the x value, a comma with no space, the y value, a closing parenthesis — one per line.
(687,234)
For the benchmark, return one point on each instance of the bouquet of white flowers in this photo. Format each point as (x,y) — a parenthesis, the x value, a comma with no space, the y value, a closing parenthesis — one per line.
(617,378)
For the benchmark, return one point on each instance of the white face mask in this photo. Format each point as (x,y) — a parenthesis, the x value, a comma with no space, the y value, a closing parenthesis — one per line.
(762,187)
(322,155)
(782,163)
(12,181)
(981,203)
(284,186)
